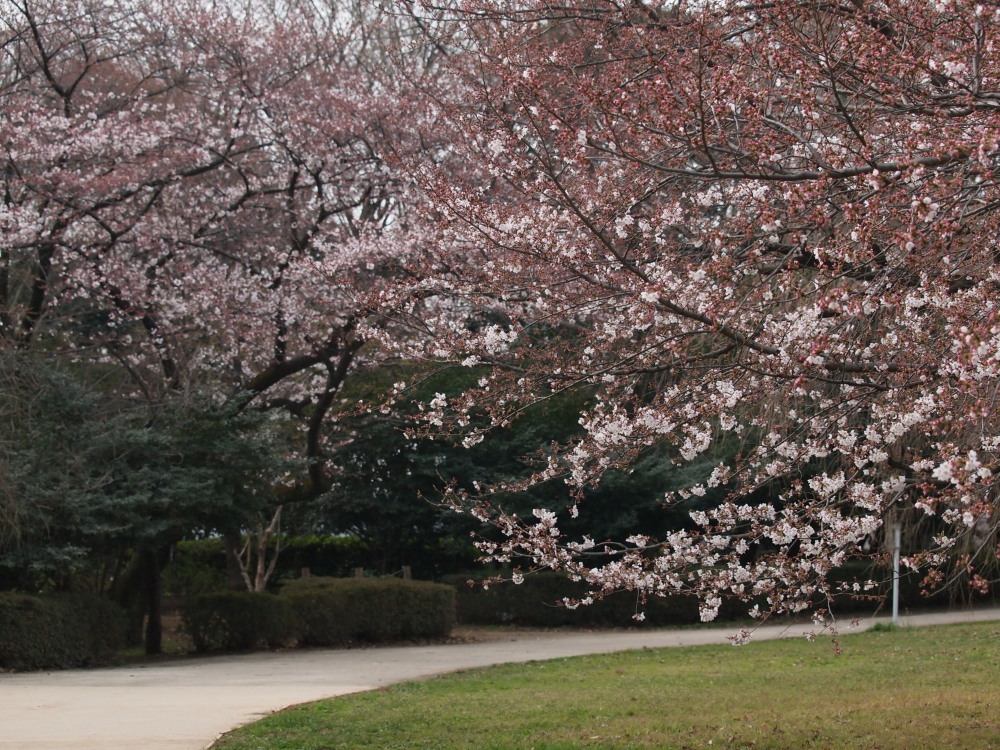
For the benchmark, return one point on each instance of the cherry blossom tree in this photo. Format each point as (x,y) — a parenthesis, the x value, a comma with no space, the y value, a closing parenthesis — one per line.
(195,198)
(197,194)
(775,222)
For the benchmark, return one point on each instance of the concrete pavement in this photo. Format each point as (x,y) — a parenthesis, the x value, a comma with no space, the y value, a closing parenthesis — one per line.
(187,704)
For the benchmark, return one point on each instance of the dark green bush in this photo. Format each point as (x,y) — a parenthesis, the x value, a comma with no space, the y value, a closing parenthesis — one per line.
(199,566)
(238,621)
(323,555)
(911,590)
(58,631)
(333,611)
(196,567)
(536,602)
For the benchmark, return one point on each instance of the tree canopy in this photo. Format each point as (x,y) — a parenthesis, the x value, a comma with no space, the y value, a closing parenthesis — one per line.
(774,223)
(755,241)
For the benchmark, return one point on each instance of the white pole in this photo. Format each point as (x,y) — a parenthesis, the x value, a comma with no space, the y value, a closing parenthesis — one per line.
(896,544)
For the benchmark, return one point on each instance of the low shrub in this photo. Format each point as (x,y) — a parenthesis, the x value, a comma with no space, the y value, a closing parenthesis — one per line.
(334,611)
(238,621)
(912,594)
(196,567)
(537,602)
(58,631)
(322,555)
(199,566)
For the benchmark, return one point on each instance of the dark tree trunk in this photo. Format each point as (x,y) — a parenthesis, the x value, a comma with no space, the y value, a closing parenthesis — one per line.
(129,592)
(154,603)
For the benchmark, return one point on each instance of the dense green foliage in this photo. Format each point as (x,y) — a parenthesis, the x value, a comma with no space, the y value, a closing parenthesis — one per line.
(58,631)
(61,451)
(84,474)
(320,612)
(238,621)
(537,601)
(389,482)
(90,483)
(199,566)
(337,611)
(910,689)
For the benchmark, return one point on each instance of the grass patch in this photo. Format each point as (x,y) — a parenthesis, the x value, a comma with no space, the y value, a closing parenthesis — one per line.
(908,688)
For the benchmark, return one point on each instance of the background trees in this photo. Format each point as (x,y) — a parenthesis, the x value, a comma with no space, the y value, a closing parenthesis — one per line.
(387,489)
(756,242)
(769,224)
(191,191)
(194,198)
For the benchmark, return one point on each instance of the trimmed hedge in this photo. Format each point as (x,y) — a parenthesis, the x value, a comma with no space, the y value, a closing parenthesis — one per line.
(195,568)
(199,566)
(911,595)
(535,602)
(238,621)
(58,631)
(335,611)
(320,612)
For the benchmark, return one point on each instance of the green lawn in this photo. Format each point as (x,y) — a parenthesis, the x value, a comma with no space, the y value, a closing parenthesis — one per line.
(915,688)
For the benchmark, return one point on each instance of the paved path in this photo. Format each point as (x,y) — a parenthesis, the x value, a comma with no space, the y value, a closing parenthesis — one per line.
(185,705)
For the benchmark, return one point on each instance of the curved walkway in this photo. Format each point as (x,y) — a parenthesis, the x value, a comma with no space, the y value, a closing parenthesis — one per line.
(186,705)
